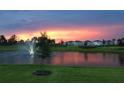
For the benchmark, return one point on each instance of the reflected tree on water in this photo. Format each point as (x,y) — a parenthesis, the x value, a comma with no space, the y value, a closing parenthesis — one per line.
(86,56)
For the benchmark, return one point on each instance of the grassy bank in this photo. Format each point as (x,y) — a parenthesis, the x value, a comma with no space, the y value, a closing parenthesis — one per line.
(109,49)
(9,48)
(23,73)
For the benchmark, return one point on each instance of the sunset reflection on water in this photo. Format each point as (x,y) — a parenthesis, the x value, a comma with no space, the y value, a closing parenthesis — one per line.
(84,59)
(66,59)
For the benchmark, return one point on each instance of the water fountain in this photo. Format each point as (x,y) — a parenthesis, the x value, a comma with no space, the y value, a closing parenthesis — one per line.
(32,52)
(32,48)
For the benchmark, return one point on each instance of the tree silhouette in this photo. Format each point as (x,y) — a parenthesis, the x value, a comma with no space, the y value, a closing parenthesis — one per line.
(120,42)
(21,42)
(12,39)
(43,45)
(61,42)
(3,40)
(103,41)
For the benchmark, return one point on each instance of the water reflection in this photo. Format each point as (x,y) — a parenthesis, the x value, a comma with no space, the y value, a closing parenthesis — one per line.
(85,56)
(65,58)
(121,59)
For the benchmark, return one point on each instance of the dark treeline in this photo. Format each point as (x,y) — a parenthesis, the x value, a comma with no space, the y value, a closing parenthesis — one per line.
(121,42)
(13,40)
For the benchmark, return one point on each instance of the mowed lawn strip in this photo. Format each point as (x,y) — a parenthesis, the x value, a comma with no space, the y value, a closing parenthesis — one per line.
(60,74)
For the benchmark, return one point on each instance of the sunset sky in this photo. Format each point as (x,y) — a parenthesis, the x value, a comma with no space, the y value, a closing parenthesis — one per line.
(66,25)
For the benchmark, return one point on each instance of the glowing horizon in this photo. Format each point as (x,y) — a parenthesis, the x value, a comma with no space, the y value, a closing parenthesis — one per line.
(71,34)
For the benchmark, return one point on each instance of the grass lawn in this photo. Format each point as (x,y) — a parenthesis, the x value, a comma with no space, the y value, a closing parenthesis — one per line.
(61,74)
(9,48)
(109,49)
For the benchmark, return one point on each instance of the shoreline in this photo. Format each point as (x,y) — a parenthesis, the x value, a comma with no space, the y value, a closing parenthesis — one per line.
(109,49)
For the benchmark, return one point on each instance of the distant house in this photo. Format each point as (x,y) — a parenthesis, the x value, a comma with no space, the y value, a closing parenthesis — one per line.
(88,43)
(98,43)
(68,43)
(95,43)
(73,43)
(109,42)
(78,43)
(115,42)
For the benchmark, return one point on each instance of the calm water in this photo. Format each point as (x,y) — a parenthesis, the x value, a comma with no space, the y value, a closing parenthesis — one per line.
(65,58)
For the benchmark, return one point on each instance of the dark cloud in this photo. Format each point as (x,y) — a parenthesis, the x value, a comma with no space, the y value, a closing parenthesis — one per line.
(12,21)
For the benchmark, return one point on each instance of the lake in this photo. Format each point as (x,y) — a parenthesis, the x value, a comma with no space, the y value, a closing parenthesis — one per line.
(65,58)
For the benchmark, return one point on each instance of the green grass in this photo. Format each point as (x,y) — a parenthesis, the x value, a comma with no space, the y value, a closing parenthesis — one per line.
(60,74)
(109,49)
(9,48)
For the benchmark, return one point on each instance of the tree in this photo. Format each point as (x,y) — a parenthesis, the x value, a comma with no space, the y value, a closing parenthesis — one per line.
(21,42)
(85,43)
(34,38)
(12,39)
(43,45)
(120,42)
(51,42)
(43,49)
(103,41)
(61,42)
(3,40)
